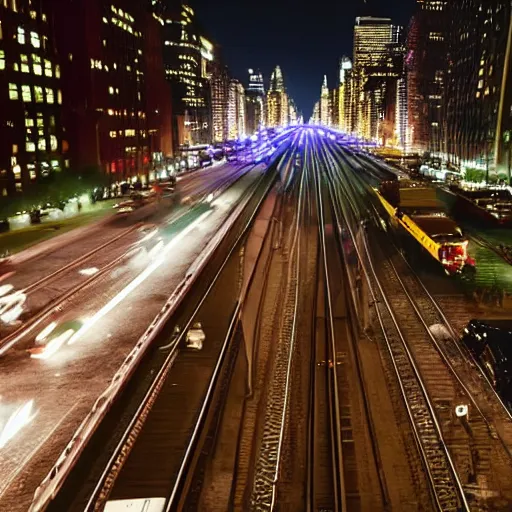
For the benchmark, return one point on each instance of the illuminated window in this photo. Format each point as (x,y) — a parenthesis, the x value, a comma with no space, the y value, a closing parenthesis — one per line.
(48,68)
(41,144)
(24,64)
(129,133)
(38,93)
(33,14)
(57,71)
(113,134)
(480,84)
(34,39)
(36,63)
(59,97)
(25,93)
(50,98)
(1,32)
(111,90)
(13,92)
(21,35)
(29,122)
(110,112)
(30,147)
(44,17)
(2,60)
(53,143)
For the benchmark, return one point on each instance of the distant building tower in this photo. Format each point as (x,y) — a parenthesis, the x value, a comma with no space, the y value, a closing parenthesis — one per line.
(277,101)
(256,84)
(325,110)
(236,110)
(378,64)
(219,101)
(254,103)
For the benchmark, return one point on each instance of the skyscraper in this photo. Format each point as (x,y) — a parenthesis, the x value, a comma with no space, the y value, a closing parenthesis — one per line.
(479,83)
(187,55)
(426,62)
(105,68)
(255,102)
(372,37)
(32,139)
(219,101)
(236,110)
(325,107)
(277,101)
(378,64)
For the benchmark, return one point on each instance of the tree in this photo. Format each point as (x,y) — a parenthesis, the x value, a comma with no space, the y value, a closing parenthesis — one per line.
(54,189)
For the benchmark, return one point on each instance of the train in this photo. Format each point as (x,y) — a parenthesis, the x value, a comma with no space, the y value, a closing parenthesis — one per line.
(414,208)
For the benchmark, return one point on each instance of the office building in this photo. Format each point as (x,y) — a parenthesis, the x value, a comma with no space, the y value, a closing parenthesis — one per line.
(426,65)
(479,84)
(106,78)
(277,101)
(188,56)
(219,101)
(325,104)
(378,64)
(255,102)
(33,143)
(293,113)
(236,110)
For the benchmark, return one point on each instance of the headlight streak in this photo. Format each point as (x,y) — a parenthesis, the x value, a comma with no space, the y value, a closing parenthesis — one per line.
(137,281)
(6,288)
(46,332)
(18,420)
(89,271)
(11,306)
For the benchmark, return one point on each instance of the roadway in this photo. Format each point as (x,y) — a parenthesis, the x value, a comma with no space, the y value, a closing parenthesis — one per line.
(47,392)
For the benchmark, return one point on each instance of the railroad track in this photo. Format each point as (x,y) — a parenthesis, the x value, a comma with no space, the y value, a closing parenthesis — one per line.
(327,459)
(479,453)
(446,487)
(152,421)
(268,461)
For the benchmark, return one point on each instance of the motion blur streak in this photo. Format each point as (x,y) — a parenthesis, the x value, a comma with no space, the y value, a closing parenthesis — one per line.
(19,419)
(46,332)
(138,280)
(11,307)
(54,345)
(6,288)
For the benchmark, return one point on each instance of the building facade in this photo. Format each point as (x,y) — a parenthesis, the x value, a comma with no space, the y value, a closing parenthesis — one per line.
(426,65)
(378,64)
(104,81)
(277,101)
(187,59)
(33,142)
(255,102)
(479,84)
(219,101)
(236,110)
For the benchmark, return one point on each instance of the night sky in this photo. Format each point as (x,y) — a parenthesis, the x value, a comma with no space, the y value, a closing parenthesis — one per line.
(305,42)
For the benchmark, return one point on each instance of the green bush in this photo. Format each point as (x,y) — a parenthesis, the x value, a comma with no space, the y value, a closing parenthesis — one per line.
(54,189)
(474,175)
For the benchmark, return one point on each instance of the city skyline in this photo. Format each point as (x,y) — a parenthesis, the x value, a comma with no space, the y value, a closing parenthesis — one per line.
(307,43)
